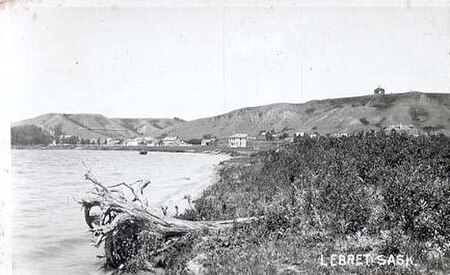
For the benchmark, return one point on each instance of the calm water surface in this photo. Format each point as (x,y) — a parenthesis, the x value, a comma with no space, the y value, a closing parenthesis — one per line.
(49,233)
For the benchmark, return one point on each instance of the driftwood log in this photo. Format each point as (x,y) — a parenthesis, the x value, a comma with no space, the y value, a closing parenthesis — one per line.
(123,215)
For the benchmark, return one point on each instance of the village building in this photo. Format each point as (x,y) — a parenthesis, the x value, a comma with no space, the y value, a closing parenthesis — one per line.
(170,141)
(305,134)
(150,141)
(402,128)
(132,142)
(340,134)
(112,142)
(237,141)
(184,143)
(174,141)
(93,141)
(210,142)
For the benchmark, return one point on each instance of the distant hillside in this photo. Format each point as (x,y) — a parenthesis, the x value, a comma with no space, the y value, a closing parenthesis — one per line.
(425,111)
(99,126)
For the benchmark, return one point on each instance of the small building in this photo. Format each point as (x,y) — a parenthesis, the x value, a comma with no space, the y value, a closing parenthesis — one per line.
(340,134)
(237,141)
(210,142)
(184,143)
(112,142)
(132,142)
(174,141)
(402,128)
(379,91)
(306,134)
(149,141)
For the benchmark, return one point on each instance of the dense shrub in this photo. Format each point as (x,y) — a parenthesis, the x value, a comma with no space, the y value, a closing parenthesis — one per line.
(29,135)
(381,192)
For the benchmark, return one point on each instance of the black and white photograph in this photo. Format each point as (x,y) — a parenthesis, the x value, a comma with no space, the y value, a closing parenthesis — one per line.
(224,137)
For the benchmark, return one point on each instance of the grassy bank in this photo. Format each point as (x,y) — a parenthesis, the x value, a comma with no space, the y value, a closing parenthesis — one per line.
(373,194)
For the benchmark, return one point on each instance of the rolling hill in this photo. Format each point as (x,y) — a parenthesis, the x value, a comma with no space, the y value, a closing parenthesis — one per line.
(424,111)
(99,126)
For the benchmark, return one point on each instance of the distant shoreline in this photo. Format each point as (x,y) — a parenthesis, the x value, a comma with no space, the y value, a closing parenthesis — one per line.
(170,149)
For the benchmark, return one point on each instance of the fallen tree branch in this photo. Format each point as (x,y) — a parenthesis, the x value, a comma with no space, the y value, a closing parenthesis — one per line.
(122,219)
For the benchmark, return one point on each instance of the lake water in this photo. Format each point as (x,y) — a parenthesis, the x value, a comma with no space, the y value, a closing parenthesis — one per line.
(48,231)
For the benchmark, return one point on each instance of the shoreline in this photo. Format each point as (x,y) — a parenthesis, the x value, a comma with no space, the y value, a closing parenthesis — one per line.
(171,149)
(191,172)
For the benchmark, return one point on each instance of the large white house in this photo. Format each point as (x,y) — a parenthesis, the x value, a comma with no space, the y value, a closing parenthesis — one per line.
(237,141)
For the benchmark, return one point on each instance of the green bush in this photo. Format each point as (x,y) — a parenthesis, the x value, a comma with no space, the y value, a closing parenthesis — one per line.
(386,193)
(29,135)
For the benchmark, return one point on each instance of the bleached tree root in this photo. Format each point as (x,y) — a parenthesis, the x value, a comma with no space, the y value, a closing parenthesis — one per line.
(123,217)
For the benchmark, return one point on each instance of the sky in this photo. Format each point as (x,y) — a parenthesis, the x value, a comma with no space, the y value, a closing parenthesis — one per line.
(169,59)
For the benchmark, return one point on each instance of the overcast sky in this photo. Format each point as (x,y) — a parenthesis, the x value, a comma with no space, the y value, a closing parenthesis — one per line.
(206,59)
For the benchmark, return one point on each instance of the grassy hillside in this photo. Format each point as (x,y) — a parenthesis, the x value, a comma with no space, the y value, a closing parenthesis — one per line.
(426,111)
(147,126)
(99,126)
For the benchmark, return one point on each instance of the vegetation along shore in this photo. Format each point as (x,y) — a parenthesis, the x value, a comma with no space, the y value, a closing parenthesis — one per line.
(377,194)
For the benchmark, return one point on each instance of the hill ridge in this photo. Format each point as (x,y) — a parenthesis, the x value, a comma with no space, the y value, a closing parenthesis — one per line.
(424,111)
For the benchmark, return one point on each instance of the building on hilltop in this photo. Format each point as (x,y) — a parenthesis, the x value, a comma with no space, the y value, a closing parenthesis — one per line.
(379,91)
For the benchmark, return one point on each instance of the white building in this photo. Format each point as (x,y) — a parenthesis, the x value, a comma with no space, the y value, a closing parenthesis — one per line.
(237,141)
(174,141)
(112,142)
(150,141)
(209,142)
(340,135)
(132,142)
